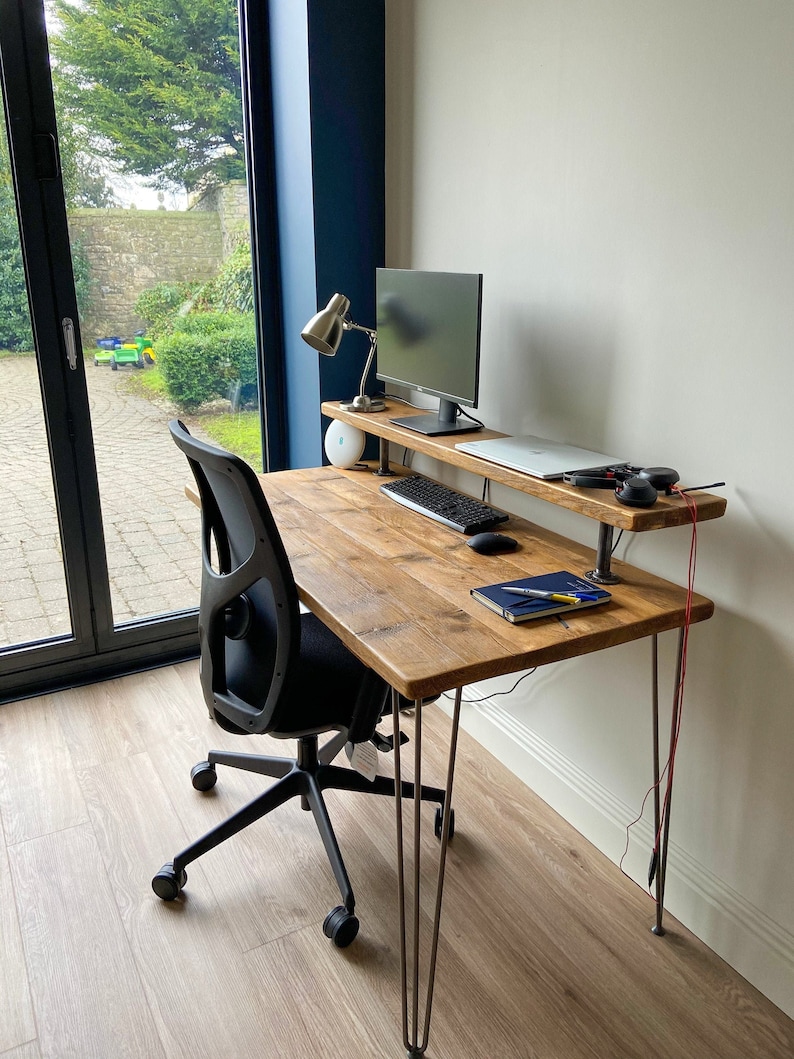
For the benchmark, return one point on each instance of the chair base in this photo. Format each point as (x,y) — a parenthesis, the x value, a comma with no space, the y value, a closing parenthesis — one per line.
(304,777)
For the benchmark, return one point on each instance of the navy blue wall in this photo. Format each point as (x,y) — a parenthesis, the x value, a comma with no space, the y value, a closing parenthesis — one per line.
(328,99)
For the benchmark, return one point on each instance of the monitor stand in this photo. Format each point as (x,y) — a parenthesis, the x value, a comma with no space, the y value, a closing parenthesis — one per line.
(435,424)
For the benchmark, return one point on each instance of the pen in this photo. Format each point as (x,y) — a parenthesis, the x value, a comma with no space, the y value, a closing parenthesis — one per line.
(557,597)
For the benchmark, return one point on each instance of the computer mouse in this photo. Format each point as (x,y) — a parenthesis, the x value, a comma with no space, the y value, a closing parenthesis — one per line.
(491,543)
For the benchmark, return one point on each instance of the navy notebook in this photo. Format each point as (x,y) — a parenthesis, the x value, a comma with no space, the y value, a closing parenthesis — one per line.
(523,608)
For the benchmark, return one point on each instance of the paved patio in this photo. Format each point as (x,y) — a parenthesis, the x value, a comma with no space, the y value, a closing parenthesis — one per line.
(151,529)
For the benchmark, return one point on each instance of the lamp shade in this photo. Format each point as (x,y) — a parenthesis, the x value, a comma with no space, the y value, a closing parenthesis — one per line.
(325,329)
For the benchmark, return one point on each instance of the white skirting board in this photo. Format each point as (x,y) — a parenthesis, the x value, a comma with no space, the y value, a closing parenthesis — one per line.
(756,946)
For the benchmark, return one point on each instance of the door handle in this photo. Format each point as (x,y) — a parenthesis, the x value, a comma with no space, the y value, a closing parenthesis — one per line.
(67,326)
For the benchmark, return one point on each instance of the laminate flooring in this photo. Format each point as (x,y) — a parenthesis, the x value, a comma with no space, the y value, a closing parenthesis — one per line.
(545,953)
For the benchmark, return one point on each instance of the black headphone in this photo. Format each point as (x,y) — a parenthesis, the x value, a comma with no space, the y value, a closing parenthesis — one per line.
(634,486)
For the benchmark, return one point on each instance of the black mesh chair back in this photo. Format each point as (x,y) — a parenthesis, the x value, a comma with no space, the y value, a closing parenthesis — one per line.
(249,621)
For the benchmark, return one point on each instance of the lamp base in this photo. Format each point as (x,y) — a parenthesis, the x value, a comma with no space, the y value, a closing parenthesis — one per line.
(363,404)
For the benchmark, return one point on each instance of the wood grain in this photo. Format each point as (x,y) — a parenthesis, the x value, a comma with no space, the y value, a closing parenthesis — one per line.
(546,949)
(85,986)
(24,1051)
(38,792)
(594,503)
(137,829)
(395,586)
(17,1024)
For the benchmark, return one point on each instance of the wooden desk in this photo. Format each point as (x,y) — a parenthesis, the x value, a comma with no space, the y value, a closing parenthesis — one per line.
(394,586)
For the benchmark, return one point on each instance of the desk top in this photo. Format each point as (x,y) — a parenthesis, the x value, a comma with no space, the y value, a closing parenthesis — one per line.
(394,586)
(594,503)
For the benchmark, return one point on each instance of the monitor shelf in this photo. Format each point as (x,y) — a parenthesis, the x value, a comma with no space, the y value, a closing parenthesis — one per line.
(596,504)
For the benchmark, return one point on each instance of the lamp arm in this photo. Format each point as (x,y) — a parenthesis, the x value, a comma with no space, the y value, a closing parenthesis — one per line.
(349,325)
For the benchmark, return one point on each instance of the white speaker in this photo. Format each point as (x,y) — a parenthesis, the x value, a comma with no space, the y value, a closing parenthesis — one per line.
(344,444)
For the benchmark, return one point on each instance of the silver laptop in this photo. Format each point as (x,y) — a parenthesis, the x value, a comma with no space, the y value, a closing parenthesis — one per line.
(537,456)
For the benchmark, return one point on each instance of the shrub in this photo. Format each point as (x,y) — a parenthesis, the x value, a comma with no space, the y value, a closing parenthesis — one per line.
(159,305)
(234,286)
(187,369)
(84,282)
(232,289)
(15,332)
(210,355)
(209,323)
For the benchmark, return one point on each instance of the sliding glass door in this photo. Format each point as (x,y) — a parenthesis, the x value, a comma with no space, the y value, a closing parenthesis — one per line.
(34,602)
(126,299)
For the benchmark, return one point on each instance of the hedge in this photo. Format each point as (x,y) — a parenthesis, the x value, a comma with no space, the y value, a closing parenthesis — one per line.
(211,355)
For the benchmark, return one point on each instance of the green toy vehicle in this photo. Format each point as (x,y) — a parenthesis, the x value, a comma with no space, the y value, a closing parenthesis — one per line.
(113,351)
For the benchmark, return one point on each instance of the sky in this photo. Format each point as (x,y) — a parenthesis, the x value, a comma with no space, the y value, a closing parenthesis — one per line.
(132,191)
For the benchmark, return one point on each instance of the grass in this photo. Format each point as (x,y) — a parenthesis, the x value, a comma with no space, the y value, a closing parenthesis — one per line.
(150,383)
(239,432)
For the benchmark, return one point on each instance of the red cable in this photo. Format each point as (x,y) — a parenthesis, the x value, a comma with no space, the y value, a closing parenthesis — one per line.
(677,699)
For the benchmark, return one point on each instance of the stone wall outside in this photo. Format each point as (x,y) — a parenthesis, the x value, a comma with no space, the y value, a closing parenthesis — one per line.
(230,202)
(131,250)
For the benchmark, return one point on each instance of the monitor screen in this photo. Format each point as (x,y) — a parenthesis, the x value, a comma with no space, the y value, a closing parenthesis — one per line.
(428,327)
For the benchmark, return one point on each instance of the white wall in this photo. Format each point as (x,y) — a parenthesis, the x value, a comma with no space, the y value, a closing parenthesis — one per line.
(623,174)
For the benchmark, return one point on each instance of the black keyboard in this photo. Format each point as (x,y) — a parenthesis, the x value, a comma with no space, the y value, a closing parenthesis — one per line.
(443,504)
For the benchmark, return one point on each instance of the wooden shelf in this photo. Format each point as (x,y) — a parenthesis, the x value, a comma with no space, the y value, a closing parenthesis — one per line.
(596,504)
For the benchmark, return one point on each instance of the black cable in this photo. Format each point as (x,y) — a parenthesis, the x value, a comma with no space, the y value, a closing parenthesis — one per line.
(468,415)
(695,488)
(496,694)
(394,397)
(617,542)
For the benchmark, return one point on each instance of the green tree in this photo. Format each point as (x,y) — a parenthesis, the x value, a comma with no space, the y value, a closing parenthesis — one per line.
(15,333)
(84,185)
(154,85)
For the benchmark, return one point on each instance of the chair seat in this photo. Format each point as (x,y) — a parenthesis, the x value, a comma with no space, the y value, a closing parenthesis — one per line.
(328,688)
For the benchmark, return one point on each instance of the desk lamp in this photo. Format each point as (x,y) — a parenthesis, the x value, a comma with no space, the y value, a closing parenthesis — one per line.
(324,333)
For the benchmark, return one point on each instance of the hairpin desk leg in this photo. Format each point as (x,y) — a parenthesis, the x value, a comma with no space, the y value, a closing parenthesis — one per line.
(653,871)
(603,575)
(416,1044)
(662,840)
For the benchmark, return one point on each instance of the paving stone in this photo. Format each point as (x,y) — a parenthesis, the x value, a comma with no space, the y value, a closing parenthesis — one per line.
(151,530)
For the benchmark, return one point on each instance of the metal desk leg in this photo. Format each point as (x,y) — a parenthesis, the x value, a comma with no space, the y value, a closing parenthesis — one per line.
(415,1043)
(384,470)
(603,573)
(659,805)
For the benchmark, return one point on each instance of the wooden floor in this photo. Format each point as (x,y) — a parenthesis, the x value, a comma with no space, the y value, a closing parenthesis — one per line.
(546,950)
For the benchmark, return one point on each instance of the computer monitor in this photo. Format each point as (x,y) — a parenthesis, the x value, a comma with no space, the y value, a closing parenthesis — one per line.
(428,327)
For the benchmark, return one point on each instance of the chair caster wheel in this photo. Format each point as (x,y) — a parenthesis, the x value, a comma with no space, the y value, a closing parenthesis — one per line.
(203,776)
(340,926)
(167,884)
(438,823)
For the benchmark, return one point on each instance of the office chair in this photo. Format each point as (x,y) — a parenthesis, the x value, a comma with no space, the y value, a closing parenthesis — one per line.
(267,668)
